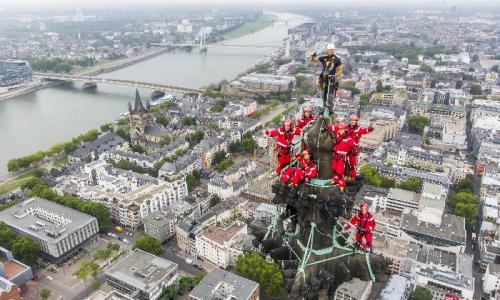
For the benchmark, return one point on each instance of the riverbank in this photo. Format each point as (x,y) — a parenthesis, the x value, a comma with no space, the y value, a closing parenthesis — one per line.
(262,22)
(52,115)
(27,88)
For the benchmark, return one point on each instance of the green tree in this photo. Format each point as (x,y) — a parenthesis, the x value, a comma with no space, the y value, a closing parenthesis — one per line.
(370,176)
(467,210)
(192,180)
(426,68)
(219,106)
(188,121)
(195,138)
(412,184)
(364,99)
(45,293)
(475,89)
(149,244)
(169,293)
(421,293)
(349,85)
(7,235)
(124,133)
(466,185)
(83,272)
(25,249)
(494,68)
(218,157)
(214,200)
(96,285)
(224,165)
(475,58)
(417,123)
(106,127)
(267,274)
(161,119)
(387,182)
(459,84)
(248,144)
(465,204)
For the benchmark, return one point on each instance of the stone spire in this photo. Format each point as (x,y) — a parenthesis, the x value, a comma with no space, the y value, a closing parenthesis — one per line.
(138,108)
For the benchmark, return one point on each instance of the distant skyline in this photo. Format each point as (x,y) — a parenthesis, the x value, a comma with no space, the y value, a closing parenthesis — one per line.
(120,3)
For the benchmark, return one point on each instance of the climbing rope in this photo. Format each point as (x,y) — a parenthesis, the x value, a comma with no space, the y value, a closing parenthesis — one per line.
(308,250)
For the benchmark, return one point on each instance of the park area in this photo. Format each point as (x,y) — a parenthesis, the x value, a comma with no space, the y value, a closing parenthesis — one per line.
(249,27)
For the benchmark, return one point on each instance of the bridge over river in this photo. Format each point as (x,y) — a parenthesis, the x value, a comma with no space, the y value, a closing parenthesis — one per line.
(134,83)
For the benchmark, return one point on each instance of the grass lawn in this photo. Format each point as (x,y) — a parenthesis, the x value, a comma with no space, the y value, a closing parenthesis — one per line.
(249,27)
(61,162)
(16,182)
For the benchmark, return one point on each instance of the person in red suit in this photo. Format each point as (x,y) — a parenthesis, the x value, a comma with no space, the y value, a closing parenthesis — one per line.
(305,171)
(306,118)
(364,221)
(285,136)
(340,150)
(355,132)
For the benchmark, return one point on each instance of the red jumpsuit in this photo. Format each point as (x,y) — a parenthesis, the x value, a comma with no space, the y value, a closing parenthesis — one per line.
(365,224)
(306,171)
(304,121)
(340,151)
(356,132)
(283,145)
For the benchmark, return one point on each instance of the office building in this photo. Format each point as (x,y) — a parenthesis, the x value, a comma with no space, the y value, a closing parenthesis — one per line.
(220,284)
(14,72)
(58,230)
(141,275)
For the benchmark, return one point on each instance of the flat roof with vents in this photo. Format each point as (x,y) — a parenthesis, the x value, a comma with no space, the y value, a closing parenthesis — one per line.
(142,270)
(44,219)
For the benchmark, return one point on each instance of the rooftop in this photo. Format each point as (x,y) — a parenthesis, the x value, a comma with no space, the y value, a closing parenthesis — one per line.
(220,284)
(403,195)
(160,218)
(355,288)
(113,295)
(222,236)
(44,219)
(395,289)
(452,228)
(142,270)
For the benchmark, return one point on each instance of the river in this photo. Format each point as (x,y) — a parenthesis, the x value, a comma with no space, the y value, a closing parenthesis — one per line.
(37,120)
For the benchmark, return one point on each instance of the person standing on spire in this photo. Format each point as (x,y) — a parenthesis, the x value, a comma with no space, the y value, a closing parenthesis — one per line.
(355,132)
(285,136)
(364,221)
(342,147)
(332,70)
(306,117)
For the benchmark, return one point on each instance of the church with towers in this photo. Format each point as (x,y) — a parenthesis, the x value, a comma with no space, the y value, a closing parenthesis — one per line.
(144,131)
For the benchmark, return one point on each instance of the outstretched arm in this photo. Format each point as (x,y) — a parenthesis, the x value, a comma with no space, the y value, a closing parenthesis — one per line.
(365,130)
(352,222)
(272,133)
(314,58)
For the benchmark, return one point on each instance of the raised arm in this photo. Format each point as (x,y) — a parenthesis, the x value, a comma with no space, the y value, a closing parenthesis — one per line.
(272,133)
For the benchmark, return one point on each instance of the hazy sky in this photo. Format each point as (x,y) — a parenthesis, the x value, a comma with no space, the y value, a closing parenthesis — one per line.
(36,3)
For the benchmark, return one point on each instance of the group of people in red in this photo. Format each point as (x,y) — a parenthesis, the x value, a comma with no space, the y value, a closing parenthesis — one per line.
(346,150)
(306,169)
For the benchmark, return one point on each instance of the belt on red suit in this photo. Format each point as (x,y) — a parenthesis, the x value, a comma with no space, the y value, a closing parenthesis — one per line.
(283,150)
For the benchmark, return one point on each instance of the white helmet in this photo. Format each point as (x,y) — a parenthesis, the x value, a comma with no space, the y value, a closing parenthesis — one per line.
(330,47)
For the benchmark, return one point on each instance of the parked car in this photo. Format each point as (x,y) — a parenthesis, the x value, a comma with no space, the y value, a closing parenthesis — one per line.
(50,278)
